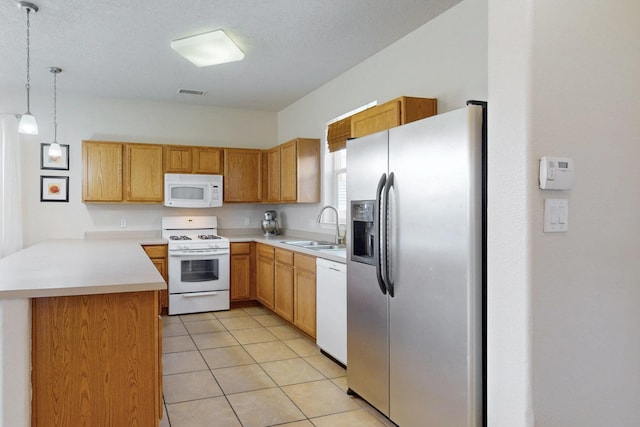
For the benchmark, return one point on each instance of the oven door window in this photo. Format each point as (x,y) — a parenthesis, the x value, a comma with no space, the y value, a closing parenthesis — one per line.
(202,270)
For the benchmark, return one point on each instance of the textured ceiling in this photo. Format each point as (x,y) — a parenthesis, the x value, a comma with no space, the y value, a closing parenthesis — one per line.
(122,48)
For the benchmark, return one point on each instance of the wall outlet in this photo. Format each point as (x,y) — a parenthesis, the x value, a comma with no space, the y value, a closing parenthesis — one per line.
(247,220)
(123,223)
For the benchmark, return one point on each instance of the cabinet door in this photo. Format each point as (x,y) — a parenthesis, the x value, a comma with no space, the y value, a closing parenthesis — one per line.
(283,299)
(375,119)
(240,277)
(308,170)
(264,276)
(273,175)
(161,266)
(305,301)
(102,171)
(177,159)
(143,173)
(305,293)
(242,175)
(240,288)
(158,256)
(207,160)
(289,172)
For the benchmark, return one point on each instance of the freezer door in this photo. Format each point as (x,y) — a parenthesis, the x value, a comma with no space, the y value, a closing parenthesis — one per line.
(436,246)
(367,306)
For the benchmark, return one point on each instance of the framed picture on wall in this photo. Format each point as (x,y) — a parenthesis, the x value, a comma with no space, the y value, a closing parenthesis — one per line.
(48,163)
(54,188)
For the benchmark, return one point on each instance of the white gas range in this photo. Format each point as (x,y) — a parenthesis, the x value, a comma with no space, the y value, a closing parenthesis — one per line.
(198,264)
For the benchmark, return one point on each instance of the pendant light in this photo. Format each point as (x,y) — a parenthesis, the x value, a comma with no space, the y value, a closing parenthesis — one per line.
(55,152)
(28,123)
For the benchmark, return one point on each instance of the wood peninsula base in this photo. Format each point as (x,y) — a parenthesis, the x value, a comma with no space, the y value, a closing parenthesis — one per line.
(96,360)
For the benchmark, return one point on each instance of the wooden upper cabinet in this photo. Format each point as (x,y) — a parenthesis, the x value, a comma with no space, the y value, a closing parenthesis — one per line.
(122,172)
(207,160)
(102,171)
(143,173)
(242,175)
(272,184)
(294,172)
(177,159)
(192,159)
(289,171)
(394,113)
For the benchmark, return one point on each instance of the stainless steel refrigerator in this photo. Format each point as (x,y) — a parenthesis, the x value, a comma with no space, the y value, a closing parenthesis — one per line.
(415,269)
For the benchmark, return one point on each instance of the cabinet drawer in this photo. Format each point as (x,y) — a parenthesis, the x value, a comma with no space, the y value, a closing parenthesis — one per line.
(240,248)
(155,251)
(284,256)
(265,251)
(305,262)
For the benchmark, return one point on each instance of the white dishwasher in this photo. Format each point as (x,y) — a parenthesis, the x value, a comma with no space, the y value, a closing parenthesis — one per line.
(331,308)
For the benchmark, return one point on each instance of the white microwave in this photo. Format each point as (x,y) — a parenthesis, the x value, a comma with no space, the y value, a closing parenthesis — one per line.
(192,191)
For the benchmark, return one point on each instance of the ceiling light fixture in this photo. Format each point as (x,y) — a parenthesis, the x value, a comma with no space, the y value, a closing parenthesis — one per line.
(28,123)
(210,48)
(55,152)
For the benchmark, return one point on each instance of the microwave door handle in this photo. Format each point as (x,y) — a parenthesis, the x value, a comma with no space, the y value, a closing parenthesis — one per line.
(377,234)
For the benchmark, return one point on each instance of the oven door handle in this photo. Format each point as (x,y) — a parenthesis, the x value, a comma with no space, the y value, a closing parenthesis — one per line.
(198,294)
(199,254)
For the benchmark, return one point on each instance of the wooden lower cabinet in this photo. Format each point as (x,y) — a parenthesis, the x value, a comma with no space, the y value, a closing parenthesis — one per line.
(265,275)
(283,284)
(305,293)
(241,288)
(96,360)
(159,258)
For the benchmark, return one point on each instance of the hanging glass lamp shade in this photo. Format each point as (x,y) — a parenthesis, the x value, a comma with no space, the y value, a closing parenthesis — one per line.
(28,123)
(55,152)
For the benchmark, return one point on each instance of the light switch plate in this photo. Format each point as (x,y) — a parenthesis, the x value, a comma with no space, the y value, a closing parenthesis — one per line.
(556,215)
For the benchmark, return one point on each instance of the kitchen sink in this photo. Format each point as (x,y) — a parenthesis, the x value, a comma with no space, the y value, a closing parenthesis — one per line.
(314,244)
(301,242)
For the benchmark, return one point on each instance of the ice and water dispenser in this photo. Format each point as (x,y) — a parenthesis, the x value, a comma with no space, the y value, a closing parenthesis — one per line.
(363,233)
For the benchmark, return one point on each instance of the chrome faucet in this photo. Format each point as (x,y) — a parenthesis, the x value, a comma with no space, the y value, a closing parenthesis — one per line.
(338,238)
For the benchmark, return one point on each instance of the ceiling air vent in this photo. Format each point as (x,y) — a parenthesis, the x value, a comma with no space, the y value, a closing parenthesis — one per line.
(192,92)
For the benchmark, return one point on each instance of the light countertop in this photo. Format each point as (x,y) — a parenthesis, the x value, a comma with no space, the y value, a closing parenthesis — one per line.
(78,267)
(277,241)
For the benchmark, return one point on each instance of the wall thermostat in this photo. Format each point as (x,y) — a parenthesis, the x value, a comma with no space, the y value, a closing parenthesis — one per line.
(556,173)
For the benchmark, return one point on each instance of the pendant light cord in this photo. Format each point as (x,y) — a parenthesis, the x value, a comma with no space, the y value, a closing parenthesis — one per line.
(28,85)
(55,96)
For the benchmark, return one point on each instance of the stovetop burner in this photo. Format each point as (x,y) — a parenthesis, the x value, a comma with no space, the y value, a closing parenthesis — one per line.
(179,238)
(208,236)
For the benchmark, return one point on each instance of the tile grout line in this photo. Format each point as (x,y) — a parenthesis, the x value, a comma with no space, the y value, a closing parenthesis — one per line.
(260,325)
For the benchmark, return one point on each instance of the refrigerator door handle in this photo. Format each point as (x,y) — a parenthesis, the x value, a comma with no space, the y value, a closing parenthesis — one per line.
(387,247)
(376,226)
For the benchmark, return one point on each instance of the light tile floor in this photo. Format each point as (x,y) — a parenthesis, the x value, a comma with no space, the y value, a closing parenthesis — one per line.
(247,367)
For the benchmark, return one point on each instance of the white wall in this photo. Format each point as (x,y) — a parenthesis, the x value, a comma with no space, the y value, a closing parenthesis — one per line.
(586,283)
(444,59)
(564,338)
(133,121)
